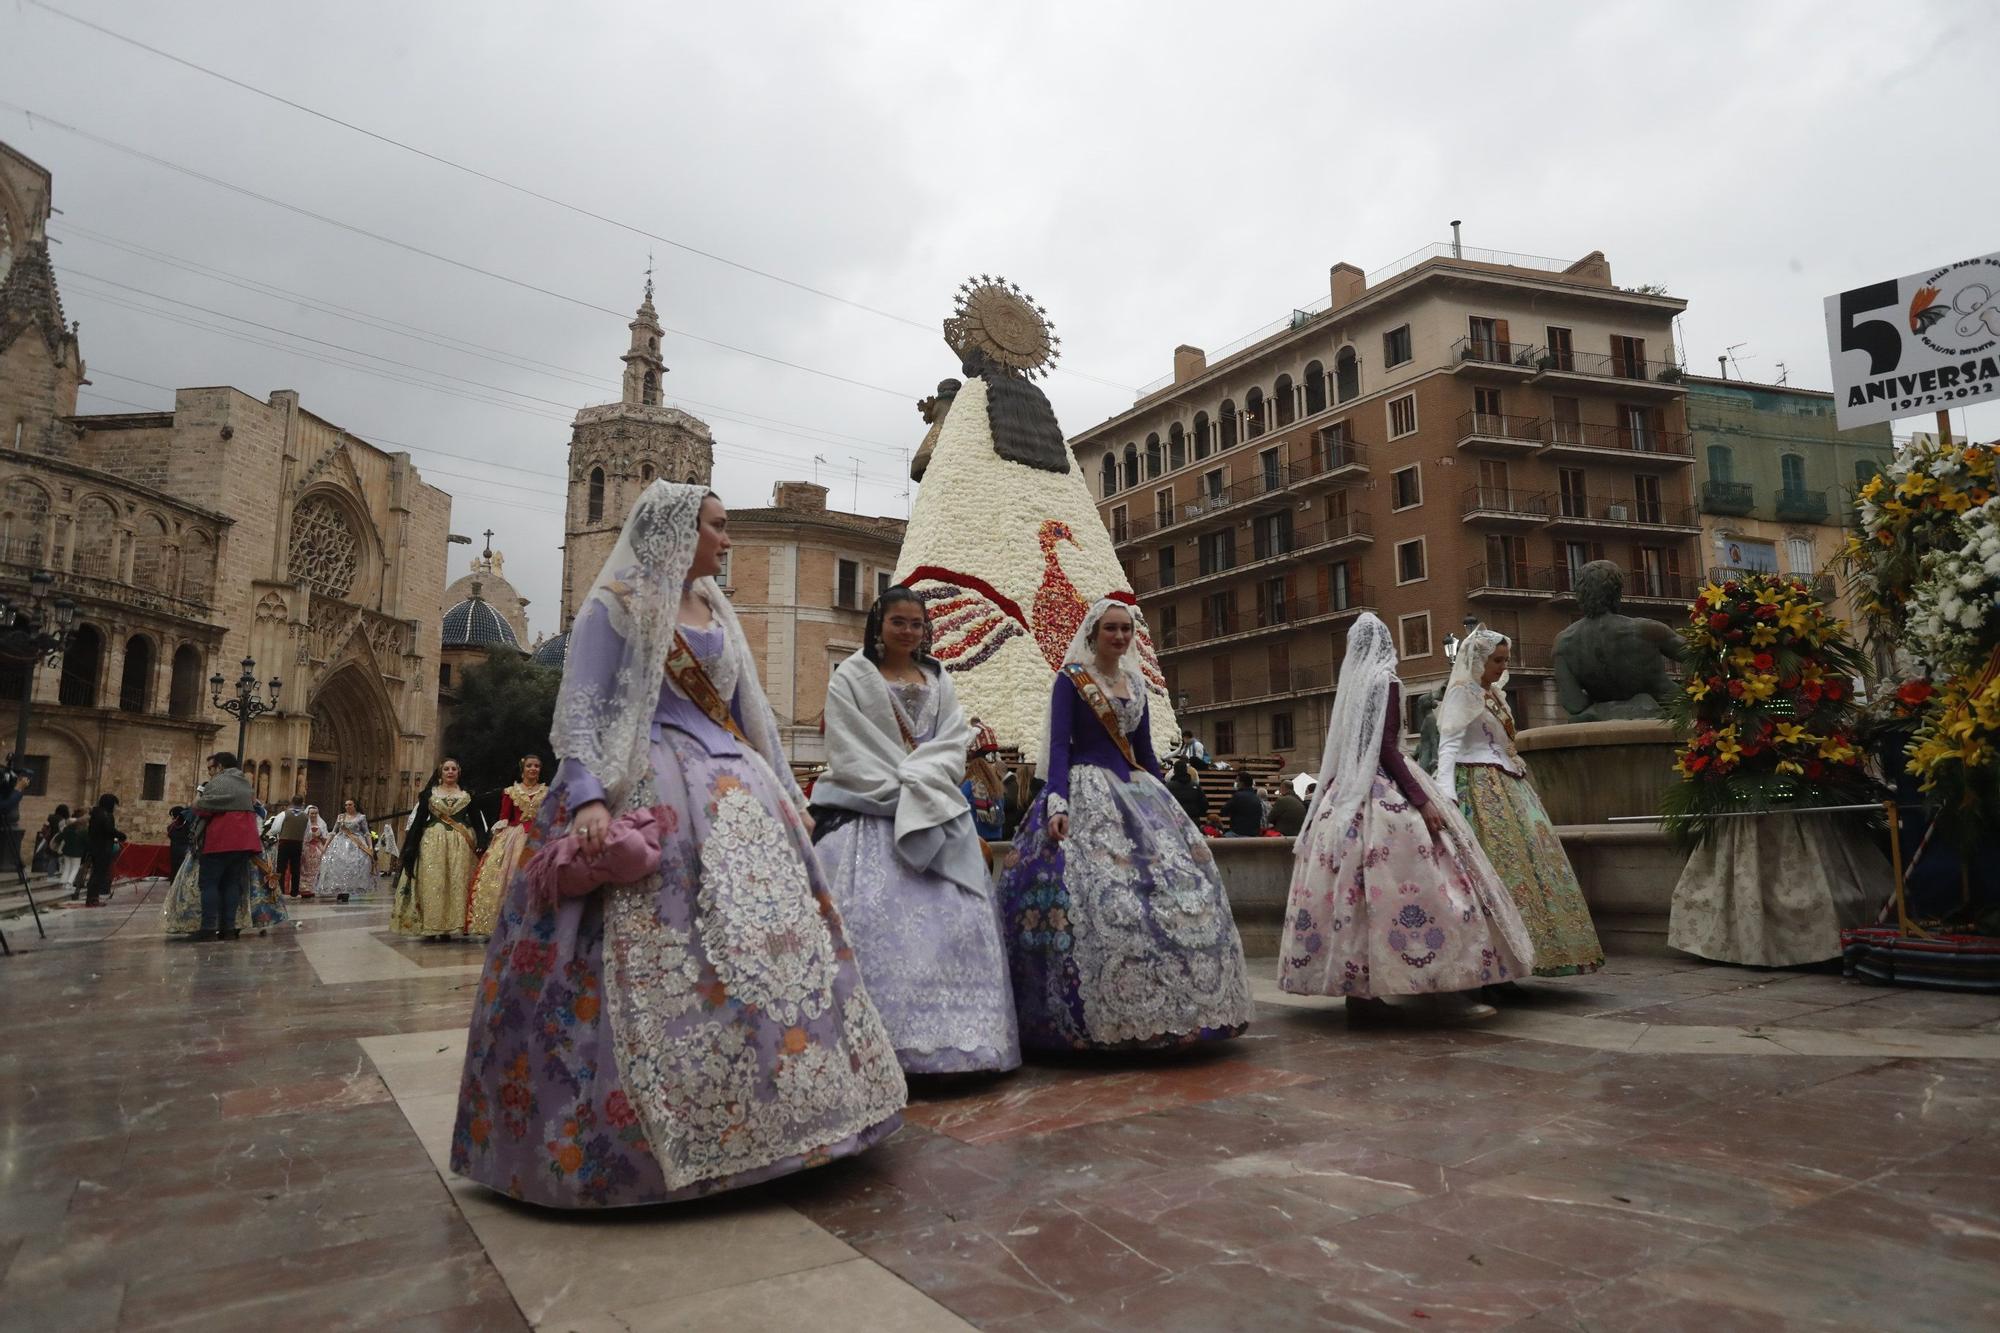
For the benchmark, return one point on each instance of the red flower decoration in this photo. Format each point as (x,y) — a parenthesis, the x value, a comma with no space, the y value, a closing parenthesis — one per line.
(1764,661)
(1736,689)
(1914,693)
(1718,621)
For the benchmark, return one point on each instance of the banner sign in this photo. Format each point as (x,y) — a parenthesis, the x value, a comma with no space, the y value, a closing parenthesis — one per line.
(1918,344)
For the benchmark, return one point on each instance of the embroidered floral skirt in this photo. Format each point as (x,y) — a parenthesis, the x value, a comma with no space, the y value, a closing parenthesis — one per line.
(1120,937)
(1517,837)
(1381,908)
(930,954)
(692,1033)
(490,882)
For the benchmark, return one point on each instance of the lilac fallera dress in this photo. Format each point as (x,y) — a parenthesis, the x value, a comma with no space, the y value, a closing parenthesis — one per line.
(679,1036)
(929,949)
(1121,936)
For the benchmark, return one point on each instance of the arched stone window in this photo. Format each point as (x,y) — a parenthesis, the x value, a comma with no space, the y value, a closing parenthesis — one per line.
(24,523)
(135,682)
(596,500)
(97,538)
(1131,465)
(197,566)
(1201,436)
(645,474)
(1225,425)
(651,395)
(82,663)
(1253,414)
(1107,478)
(1283,402)
(184,694)
(1315,382)
(325,554)
(153,563)
(1153,456)
(1346,375)
(1176,447)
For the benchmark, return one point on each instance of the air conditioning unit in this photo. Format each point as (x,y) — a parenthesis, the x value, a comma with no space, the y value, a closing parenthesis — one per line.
(1618,513)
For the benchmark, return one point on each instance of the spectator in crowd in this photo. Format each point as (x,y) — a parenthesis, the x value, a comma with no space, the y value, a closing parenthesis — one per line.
(72,844)
(10,817)
(292,828)
(105,842)
(1188,792)
(1243,812)
(47,857)
(180,829)
(1288,813)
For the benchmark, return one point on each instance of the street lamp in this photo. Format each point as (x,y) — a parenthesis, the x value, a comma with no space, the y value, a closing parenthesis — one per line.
(1451,641)
(246,707)
(33,632)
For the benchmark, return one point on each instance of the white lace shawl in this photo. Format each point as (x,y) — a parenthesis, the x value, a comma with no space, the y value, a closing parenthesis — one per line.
(1465,695)
(603,718)
(1354,730)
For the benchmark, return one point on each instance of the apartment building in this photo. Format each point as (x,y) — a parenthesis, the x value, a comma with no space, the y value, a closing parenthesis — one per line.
(1448,440)
(1776,478)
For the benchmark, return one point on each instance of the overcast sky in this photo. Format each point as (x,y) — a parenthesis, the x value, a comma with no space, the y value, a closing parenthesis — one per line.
(1153,173)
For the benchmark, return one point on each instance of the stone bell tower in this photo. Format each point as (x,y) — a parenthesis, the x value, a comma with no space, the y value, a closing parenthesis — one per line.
(618,449)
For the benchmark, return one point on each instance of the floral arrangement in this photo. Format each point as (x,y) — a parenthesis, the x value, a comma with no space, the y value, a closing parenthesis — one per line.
(1926,560)
(1767,711)
(1008,558)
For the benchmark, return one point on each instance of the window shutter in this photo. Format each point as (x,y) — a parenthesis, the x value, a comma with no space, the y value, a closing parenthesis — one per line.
(1506,351)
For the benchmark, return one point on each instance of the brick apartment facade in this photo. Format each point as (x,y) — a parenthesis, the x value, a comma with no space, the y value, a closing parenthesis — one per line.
(1450,439)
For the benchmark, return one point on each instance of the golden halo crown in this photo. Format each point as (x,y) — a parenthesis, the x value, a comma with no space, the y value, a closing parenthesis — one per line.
(996,318)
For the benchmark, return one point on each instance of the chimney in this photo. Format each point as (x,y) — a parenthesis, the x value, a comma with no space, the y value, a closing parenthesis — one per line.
(1457,250)
(801,497)
(1348,282)
(1189,363)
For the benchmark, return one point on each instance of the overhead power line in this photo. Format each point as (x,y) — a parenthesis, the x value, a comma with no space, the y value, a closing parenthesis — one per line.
(505,184)
(412,248)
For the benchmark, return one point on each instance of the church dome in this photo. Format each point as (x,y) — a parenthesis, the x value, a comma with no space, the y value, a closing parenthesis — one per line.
(553,652)
(475,624)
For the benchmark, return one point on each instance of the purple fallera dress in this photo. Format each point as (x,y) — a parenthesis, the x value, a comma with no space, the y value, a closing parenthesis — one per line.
(1120,936)
(929,949)
(684,1035)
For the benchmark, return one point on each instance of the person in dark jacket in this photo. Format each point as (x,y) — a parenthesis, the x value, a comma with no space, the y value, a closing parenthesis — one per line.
(180,832)
(105,844)
(1288,813)
(1188,792)
(1243,812)
(16,788)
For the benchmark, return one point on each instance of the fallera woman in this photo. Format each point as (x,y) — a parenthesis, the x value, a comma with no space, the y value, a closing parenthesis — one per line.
(1119,930)
(1479,766)
(903,860)
(438,856)
(1390,892)
(670,1005)
(520,804)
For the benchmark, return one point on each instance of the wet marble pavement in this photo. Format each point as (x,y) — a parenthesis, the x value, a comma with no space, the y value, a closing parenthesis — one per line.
(251,1135)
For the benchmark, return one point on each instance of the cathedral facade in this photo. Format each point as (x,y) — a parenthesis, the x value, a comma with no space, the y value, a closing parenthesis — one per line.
(228,527)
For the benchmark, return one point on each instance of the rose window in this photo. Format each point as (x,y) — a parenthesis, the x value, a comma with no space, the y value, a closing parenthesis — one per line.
(325,553)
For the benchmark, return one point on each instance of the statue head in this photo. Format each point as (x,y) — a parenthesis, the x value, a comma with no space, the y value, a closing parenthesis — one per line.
(1600,587)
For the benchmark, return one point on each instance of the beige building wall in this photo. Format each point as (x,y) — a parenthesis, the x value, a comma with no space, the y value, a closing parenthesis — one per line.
(784,579)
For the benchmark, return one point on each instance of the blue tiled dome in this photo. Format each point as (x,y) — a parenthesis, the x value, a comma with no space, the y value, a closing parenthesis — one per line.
(553,652)
(474,624)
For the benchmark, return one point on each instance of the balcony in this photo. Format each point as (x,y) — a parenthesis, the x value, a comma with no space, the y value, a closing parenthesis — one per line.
(1733,498)
(1528,657)
(1795,506)
(1236,691)
(1625,513)
(1491,433)
(1488,358)
(1823,586)
(1648,377)
(1644,591)
(1331,457)
(1502,581)
(1493,506)
(1237,625)
(1589,439)
(1270,552)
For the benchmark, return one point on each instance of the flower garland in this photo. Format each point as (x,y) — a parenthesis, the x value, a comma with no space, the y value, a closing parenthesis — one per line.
(1767,712)
(1927,563)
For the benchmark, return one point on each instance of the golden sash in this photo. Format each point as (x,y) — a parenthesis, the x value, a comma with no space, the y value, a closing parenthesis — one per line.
(471,842)
(691,678)
(1100,704)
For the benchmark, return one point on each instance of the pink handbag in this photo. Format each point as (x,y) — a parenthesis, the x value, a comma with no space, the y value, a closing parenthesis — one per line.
(631,851)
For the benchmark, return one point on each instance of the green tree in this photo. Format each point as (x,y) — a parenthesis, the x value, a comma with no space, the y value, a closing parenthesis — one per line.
(505,707)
